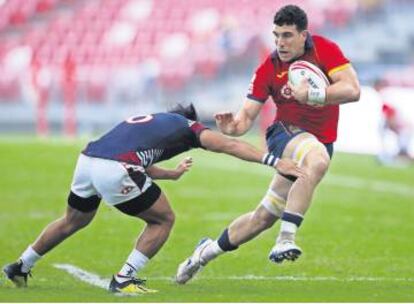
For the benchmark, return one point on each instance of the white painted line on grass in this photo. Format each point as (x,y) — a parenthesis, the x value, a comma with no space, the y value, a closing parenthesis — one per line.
(95,280)
(84,276)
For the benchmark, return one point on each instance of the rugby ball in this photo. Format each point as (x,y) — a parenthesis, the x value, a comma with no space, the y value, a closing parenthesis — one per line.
(305,70)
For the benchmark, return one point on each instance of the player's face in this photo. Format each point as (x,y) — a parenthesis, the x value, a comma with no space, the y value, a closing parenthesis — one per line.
(290,43)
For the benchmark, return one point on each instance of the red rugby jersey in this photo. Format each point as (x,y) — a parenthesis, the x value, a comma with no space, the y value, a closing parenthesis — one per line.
(271,79)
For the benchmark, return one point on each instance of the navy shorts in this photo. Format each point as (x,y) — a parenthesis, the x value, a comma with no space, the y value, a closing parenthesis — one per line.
(278,136)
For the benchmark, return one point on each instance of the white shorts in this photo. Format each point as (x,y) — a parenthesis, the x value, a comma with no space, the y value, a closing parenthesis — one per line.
(114,181)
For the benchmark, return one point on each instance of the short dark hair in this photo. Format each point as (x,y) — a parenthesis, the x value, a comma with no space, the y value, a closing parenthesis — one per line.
(291,14)
(188,112)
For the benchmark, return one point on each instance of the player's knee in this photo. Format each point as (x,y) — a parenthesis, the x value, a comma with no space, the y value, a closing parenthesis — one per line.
(316,162)
(318,167)
(322,166)
(273,203)
(169,219)
(166,220)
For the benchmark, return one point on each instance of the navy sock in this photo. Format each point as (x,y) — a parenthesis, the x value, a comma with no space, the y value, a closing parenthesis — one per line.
(224,242)
(292,218)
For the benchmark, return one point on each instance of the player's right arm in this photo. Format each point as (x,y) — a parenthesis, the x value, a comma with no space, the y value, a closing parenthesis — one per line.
(239,125)
(216,142)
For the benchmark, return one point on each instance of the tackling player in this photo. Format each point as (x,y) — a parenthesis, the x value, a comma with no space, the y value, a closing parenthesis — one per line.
(304,130)
(120,168)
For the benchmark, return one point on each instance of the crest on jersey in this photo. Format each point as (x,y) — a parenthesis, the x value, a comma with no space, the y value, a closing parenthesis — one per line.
(286,91)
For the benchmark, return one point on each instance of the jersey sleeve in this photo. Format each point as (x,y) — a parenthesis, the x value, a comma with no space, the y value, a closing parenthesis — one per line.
(196,128)
(331,56)
(259,86)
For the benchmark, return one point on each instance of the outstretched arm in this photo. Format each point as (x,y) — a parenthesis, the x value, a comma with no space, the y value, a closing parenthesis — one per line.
(242,122)
(160,173)
(216,142)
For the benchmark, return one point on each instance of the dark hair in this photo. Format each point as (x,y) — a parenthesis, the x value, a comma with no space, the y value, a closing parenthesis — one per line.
(188,112)
(291,14)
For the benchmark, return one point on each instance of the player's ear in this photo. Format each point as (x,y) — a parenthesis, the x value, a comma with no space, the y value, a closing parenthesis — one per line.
(304,34)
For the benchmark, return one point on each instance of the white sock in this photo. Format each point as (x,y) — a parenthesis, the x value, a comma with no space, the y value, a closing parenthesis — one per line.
(29,258)
(135,262)
(287,231)
(209,253)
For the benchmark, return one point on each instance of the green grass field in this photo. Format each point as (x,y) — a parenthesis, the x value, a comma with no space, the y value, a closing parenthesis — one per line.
(358,237)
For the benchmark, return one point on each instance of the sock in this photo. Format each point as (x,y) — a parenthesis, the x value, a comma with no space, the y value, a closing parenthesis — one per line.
(209,253)
(224,241)
(135,262)
(29,258)
(289,226)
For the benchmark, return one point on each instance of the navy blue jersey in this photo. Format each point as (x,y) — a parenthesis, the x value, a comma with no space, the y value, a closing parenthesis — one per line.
(145,140)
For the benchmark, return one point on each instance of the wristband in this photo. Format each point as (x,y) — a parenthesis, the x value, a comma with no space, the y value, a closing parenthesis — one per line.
(316,97)
(270,160)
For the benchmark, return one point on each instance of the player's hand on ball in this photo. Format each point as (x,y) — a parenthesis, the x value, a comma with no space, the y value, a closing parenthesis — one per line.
(225,122)
(287,166)
(300,92)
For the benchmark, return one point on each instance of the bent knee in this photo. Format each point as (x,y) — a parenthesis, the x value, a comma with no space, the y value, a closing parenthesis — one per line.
(169,219)
(317,168)
(317,163)
(166,219)
(320,167)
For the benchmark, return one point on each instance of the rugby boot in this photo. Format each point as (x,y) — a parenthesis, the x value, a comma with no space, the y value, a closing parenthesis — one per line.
(284,250)
(15,274)
(131,286)
(193,264)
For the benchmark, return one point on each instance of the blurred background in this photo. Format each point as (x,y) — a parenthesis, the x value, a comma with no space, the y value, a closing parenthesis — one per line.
(75,67)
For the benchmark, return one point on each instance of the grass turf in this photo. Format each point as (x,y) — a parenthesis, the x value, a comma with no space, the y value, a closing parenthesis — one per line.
(357,236)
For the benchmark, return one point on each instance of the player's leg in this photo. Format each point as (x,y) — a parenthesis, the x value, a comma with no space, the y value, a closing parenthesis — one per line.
(314,158)
(153,207)
(249,225)
(241,230)
(159,219)
(79,213)
(52,235)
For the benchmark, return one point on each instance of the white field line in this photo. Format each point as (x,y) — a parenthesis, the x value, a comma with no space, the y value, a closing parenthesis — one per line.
(95,280)
(84,276)
(373,185)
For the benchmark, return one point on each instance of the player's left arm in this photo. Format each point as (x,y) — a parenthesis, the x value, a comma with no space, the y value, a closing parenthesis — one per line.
(344,88)
(156,172)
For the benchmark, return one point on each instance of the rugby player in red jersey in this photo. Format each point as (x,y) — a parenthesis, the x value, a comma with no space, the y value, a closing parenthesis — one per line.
(304,130)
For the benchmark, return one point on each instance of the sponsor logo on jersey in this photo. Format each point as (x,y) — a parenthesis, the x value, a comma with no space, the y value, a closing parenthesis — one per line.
(281,74)
(127,189)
